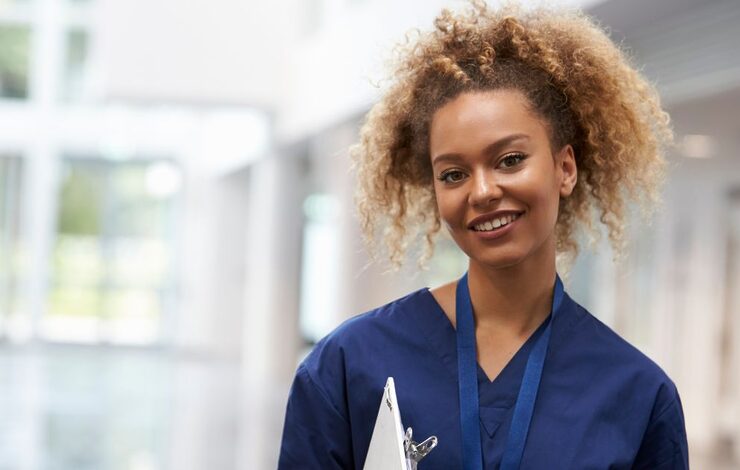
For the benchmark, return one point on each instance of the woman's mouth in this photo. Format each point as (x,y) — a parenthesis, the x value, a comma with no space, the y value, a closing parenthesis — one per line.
(497,227)
(496,223)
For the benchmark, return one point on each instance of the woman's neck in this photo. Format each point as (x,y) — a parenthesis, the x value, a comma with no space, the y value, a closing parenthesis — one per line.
(516,299)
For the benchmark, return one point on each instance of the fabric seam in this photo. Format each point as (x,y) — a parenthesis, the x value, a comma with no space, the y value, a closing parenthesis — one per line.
(322,394)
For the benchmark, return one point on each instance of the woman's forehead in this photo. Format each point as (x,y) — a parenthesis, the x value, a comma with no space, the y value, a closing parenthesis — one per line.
(477,119)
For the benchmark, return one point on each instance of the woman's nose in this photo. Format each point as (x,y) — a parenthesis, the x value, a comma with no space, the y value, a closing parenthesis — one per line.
(485,190)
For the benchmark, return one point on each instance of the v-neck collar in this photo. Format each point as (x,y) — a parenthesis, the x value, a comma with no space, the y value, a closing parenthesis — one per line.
(503,390)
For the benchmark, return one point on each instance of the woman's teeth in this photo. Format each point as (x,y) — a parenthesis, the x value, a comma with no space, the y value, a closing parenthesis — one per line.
(495,223)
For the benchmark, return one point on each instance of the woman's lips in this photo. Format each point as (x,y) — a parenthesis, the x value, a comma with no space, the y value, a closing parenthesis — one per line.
(498,232)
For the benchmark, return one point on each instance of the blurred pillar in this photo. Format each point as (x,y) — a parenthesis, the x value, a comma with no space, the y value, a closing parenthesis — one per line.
(41,177)
(271,338)
(39,199)
(209,319)
(730,398)
(214,305)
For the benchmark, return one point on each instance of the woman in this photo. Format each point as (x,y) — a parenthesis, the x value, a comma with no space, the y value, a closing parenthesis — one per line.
(511,128)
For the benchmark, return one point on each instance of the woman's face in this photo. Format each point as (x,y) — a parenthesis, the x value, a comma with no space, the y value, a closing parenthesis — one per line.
(497,181)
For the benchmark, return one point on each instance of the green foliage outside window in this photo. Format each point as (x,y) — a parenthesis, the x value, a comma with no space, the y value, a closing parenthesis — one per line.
(112,256)
(14,60)
(82,194)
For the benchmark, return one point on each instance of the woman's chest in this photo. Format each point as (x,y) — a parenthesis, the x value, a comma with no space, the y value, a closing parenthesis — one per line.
(573,427)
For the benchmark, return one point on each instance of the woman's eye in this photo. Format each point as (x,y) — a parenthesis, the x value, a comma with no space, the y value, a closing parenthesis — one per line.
(452,176)
(511,160)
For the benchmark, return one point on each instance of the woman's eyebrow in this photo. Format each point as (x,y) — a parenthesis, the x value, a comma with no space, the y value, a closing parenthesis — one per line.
(491,148)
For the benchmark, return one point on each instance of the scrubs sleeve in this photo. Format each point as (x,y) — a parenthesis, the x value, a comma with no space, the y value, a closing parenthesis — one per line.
(315,434)
(665,445)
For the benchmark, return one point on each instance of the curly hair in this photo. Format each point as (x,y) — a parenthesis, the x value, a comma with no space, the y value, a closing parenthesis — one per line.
(573,75)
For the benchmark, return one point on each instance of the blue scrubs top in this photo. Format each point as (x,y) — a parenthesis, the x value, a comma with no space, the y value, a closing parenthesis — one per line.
(602,404)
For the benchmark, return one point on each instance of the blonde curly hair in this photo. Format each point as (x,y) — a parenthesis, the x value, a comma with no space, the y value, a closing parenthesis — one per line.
(573,75)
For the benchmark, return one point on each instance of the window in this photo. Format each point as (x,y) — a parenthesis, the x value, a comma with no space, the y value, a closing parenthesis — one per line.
(75,65)
(10,255)
(14,60)
(319,267)
(112,273)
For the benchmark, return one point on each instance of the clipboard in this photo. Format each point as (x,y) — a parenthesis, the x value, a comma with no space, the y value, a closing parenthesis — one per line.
(390,448)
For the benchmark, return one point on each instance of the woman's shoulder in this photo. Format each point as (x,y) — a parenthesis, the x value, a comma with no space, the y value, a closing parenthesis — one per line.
(392,315)
(377,326)
(361,342)
(608,353)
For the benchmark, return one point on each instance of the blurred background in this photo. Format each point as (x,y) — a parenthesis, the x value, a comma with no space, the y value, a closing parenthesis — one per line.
(177,230)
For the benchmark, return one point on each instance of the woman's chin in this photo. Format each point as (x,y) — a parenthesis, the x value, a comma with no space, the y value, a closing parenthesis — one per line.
(498,261)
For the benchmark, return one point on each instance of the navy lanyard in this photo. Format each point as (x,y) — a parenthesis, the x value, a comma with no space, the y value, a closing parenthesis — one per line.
(467,366)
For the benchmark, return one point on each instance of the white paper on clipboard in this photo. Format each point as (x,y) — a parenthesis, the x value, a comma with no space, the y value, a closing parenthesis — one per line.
(386,450)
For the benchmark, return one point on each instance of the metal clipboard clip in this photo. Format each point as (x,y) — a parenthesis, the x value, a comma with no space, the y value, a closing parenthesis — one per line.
(415,451)
(390,448)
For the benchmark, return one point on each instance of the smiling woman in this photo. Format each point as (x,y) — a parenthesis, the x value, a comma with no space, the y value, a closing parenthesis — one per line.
(500,154)
(510,128)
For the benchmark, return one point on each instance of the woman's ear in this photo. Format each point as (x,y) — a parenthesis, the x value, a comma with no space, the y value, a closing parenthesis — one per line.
(566,168)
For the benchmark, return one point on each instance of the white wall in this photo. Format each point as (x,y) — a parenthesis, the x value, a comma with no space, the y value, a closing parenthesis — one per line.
(198,51)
